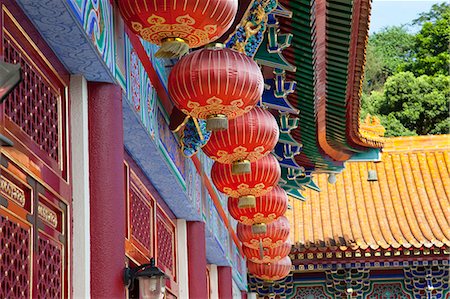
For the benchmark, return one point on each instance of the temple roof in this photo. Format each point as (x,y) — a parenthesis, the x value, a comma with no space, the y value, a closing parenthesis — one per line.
(328,50)
(407,207)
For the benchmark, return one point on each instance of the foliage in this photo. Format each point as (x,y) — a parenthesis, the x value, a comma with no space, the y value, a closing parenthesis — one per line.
(431,44)
(387,51)
(407,82)
(436,13)
(418,103)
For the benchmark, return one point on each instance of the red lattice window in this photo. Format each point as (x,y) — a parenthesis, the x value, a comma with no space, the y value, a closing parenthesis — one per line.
(34,212)
(34,104)
(165,235)
(149,226)
(14,260)
(49,268)
(140,220)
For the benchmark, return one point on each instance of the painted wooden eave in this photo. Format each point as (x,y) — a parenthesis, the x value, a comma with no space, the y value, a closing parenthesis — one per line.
(300,54)
(359,39)
(328,49)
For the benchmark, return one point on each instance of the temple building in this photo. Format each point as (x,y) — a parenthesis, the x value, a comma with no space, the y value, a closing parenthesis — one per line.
(381,231)
(188,149)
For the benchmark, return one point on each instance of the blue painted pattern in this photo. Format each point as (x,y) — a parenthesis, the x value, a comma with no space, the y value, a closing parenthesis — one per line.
(96,18)
(58,24)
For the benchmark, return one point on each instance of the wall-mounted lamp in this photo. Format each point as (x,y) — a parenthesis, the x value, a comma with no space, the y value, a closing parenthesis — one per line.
(10,77)
(152,281)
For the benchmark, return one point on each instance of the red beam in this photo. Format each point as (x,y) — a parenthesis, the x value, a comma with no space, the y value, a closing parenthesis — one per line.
(150,70)
(358,41)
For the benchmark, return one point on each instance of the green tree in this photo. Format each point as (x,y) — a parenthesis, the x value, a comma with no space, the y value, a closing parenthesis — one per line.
(387,51)
(407,78)
(414,105)
(431,45)
(436,13)
(371,105)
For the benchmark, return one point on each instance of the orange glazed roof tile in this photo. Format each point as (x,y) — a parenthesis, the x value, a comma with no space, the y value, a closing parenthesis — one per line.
(408,206)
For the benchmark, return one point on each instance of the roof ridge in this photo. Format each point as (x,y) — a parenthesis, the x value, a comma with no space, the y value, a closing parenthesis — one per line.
(417,143)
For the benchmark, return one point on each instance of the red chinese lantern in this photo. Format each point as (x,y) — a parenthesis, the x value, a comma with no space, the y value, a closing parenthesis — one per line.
(216,84)
(268,208)
(248,138)
(275,234)
(272,271)
(178,25)
(267,255)
(264,175)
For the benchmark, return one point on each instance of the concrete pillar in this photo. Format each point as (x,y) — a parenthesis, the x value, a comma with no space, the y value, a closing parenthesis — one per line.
(213,282)
(107,190)
(80,183)
(183,273)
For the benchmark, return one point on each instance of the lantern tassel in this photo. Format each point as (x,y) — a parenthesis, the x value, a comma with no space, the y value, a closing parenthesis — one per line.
(247,201)
(240,167)
(172,48)
(259,228)
(217,122)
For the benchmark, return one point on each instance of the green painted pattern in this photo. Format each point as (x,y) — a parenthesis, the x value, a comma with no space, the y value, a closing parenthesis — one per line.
(339,18)
(338,38)
(318,289)
(303,52)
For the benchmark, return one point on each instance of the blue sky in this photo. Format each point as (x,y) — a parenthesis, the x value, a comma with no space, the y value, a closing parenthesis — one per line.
(397,12)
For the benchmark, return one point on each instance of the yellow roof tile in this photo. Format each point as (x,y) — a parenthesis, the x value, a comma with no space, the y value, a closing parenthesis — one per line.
(408,206)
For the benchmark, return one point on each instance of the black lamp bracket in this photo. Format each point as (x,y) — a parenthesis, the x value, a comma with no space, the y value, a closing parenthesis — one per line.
(145,270)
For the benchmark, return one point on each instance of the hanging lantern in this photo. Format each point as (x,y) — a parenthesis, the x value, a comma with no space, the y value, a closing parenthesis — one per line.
(268,208)
(248,138)
(216,84)
(267,255)
(177,26)
(272,271)
(264,175)
(275,234)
